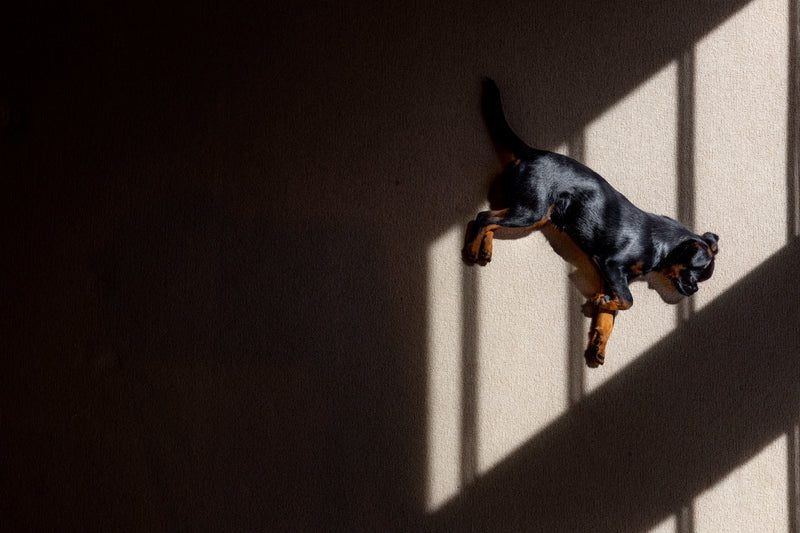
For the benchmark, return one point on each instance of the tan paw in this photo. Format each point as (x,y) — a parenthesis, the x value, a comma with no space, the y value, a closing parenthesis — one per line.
(595,351)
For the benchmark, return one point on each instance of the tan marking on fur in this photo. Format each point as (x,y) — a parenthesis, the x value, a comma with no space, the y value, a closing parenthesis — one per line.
(614,304)
(585,277)
(486,246)
(506,157)
(474,246)
(599,334)
(636,268)
(674,271)
(604,324)
(711,248)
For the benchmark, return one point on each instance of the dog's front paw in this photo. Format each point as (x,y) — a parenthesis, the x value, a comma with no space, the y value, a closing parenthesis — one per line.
(609,303)
(600,300)
(485,255)
(595,351)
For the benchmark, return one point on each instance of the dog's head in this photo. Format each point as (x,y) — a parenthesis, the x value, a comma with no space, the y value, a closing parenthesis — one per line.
(691,262)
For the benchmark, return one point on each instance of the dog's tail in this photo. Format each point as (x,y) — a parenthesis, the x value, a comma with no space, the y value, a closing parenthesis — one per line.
(503,137)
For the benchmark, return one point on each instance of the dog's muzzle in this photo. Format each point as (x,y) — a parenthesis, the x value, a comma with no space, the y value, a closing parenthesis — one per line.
(687,289)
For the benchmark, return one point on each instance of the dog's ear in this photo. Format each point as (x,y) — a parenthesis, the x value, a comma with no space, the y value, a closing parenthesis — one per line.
(712,240)
(692,253)
(683,253)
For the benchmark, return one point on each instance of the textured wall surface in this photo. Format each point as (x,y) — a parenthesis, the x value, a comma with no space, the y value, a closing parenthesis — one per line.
(233,297)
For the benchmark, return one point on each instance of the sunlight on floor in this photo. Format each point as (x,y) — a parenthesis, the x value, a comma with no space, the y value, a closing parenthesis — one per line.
(632,145)
(741,140)
(752,497)
(444,366)
(667,526)
(521,384)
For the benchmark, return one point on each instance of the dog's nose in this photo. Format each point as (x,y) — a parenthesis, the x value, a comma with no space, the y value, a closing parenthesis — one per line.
(687,289)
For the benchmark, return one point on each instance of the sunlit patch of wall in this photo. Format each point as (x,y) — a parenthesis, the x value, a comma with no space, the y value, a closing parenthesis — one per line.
(753,497)
(444,347)
(633,146)
(668,525)
(521,342)
(741,121)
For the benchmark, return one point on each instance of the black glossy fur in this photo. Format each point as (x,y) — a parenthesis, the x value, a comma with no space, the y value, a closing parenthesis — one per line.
(623,241)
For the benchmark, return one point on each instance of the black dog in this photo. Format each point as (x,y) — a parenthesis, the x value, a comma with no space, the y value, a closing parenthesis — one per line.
(542,189)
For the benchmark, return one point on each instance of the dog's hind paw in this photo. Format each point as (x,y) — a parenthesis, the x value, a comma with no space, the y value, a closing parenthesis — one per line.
(468,255)
(472,257)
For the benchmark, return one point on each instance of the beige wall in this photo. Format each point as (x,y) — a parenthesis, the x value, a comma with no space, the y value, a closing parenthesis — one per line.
(234,298)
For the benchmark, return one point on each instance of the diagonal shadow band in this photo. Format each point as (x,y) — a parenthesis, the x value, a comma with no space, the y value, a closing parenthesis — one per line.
(687,412)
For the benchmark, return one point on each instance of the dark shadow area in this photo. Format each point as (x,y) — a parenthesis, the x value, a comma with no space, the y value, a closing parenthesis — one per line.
(687,412)
(216,228)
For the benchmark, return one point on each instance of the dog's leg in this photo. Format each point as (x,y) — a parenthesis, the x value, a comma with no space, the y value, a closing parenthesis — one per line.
(618,296)
(480,232)
(602,324)
(486,247)
(476,233)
